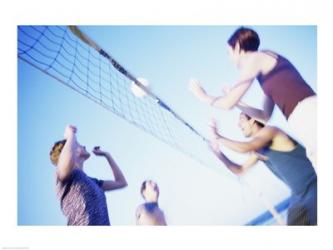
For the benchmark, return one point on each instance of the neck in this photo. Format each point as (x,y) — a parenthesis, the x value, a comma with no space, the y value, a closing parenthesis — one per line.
(79,164)
(244,58)
(153,199)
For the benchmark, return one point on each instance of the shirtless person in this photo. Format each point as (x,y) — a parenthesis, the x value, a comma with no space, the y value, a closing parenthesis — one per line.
(149,212)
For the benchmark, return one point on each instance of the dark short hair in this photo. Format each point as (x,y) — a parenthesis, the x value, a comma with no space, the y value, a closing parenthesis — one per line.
(247,38)
(260,124)
(143,187)
(56,150)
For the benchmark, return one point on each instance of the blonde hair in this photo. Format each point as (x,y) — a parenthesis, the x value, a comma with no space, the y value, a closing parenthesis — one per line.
(56,150)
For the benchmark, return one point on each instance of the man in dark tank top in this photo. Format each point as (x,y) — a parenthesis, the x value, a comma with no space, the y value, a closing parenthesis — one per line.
(284,157)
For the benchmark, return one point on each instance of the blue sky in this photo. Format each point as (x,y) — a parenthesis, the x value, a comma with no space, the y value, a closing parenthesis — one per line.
(191,194)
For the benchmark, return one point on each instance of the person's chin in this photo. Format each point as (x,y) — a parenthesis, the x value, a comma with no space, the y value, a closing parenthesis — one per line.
(246,135)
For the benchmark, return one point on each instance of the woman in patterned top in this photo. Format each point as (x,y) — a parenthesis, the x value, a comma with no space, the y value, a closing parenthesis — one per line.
(82,198)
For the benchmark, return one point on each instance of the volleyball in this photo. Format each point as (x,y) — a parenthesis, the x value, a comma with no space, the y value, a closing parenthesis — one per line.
(136,90)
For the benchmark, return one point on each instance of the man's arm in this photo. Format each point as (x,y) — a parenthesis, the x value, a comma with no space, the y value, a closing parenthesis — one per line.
(66,161)
(263,138)
(232,166)
(120,181)
(237,169)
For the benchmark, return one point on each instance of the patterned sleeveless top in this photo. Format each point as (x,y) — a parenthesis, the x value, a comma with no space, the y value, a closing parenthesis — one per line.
(82,200)
(293,168)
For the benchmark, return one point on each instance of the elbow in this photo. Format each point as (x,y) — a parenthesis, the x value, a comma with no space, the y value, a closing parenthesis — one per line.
(237,170)
(223,103)
(227,105)
(267,116)
(231,102)
(123,184)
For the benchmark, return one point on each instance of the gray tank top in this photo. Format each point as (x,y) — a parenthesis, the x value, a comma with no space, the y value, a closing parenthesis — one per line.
(293,167)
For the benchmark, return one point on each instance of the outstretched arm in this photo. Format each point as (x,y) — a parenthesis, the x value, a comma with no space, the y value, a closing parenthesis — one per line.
(244,147)
(237,169)
(66,161)
(230,99)
(263,114)
(223,102)
(120,181)
(262,138)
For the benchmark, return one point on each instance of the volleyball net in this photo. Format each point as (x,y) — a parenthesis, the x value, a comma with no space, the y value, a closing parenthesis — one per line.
(75,60)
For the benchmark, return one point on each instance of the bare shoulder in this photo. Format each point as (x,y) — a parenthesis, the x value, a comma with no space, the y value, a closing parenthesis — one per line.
(254,63)
(282,134)
(140,208)
(269,130)
(267,61)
